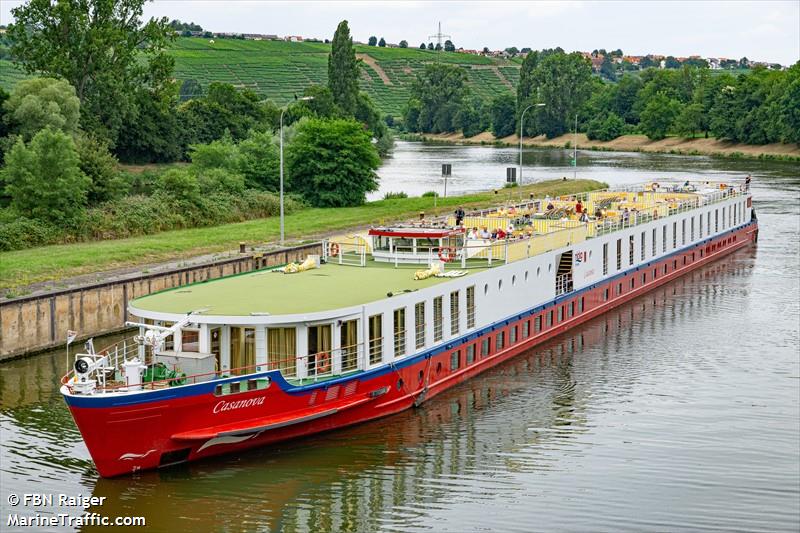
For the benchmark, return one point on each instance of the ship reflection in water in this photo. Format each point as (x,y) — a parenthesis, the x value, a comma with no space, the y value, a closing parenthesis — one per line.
(630,417)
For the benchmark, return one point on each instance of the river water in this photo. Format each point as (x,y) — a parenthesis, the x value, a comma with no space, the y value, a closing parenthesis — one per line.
(678,411)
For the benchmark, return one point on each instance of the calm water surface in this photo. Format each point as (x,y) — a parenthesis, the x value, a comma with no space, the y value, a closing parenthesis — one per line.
(677,411)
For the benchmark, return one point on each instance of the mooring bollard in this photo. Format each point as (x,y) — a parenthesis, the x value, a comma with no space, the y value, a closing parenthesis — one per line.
(242,248)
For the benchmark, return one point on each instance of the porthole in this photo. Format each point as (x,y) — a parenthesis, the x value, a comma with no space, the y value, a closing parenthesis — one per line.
(399,383)
(550,267)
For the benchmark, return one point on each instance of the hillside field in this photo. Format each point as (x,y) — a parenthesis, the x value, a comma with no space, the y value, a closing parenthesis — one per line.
(278,70)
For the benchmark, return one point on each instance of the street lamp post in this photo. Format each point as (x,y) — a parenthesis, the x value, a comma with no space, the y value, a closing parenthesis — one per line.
(521,123)
(304,98)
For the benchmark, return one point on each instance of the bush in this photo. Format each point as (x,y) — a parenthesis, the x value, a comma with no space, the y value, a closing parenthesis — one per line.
(19,233)
(605,128)
(430,194)
(394,195)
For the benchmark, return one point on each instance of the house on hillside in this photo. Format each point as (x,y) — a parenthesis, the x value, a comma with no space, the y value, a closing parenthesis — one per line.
(597,62)
(293,38)
(633,60)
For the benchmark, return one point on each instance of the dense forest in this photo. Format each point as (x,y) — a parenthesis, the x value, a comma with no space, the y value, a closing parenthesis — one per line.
(64,132)
(758,107)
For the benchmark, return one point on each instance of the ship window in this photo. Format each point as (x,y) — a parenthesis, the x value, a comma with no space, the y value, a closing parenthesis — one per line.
(234,387)
(619,289)
(716,220)
(683,232)
(691,229)
(655,250)
(526,275)
(605,295)
(485,289)
(581,304)
(644,278)
(437,319)
(454,315)
(664,238)
(319,343)
(499,284)
(242,348)
(655,273)
(605,259)
(455,360)
(571,309)
(375,339)
(549,319)
(471,307)
(282,350)
(190,340)
(537,324)
(630,249)
(513,280)
(550,267)
(349,341)
(526,329)
(399,332)
(419,324)
(500,341)
(512,335)
(485,347)
(619,254)
(644,253)
(674,235)
(560,313)
(470,354)
(633,283)
(538,272)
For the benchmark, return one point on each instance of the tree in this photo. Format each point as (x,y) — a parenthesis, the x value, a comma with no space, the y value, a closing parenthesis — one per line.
(343,69)
(97,163)
(671,62)
(449,46)
(403,44)
(512,51)
(430,46)
(371,42)
(203,120)
(106,53)
(607,69)
(332,163)
(605,128)
(440,90)
(382,43)
(41,102)
(180,185)
(504,115)
(44,178)
(690,120)
(422,46)
(469,118)
(190,88)
(658,116)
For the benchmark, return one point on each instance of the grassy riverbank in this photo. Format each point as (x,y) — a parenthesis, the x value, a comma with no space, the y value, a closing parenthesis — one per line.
(635,143)
(23,267)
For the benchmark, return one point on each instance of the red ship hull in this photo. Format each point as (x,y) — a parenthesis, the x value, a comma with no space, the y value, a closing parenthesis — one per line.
(129,432)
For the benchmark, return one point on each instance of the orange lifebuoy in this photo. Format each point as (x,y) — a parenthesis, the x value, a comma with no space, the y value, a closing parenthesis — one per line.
(447,254)
(333,249)
(323,362)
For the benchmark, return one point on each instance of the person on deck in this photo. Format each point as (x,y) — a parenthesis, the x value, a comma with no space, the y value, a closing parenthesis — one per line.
(459,213)
(747,183)
(485,233)
(550,206)
(501,234)
(579,207)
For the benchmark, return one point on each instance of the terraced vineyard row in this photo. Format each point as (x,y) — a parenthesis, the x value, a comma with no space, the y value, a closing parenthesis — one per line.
(278,70)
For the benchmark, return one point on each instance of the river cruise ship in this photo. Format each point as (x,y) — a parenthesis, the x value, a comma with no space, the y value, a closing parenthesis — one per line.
(384,320)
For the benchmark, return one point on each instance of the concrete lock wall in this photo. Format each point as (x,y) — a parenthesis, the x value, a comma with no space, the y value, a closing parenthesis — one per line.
(32,324)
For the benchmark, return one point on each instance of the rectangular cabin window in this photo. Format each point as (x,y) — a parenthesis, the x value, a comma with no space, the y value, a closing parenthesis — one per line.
(581,304)
(571,309)
(400,332)
(454,313)
(605,259)
(537,324)
(619,289)
(633,283)
(512,335)
(282,350)
(655,250)
(708,223)
(644,278)
(549,321)
(730,216)
(500,341)
(526,329)
(664,238)
(619,254)
(375,339)
(701,225)
(683,232)
(190,340)
(691,229)
(243,349)
(716,220)
(560,313)
(455,360)
(485,347)
(471,307)
(643,247)
(349,339)
(419,324)
(605,295)
(674,235)
(319,343)
(735,214)
(470,354)
(630,249)
(437,319)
